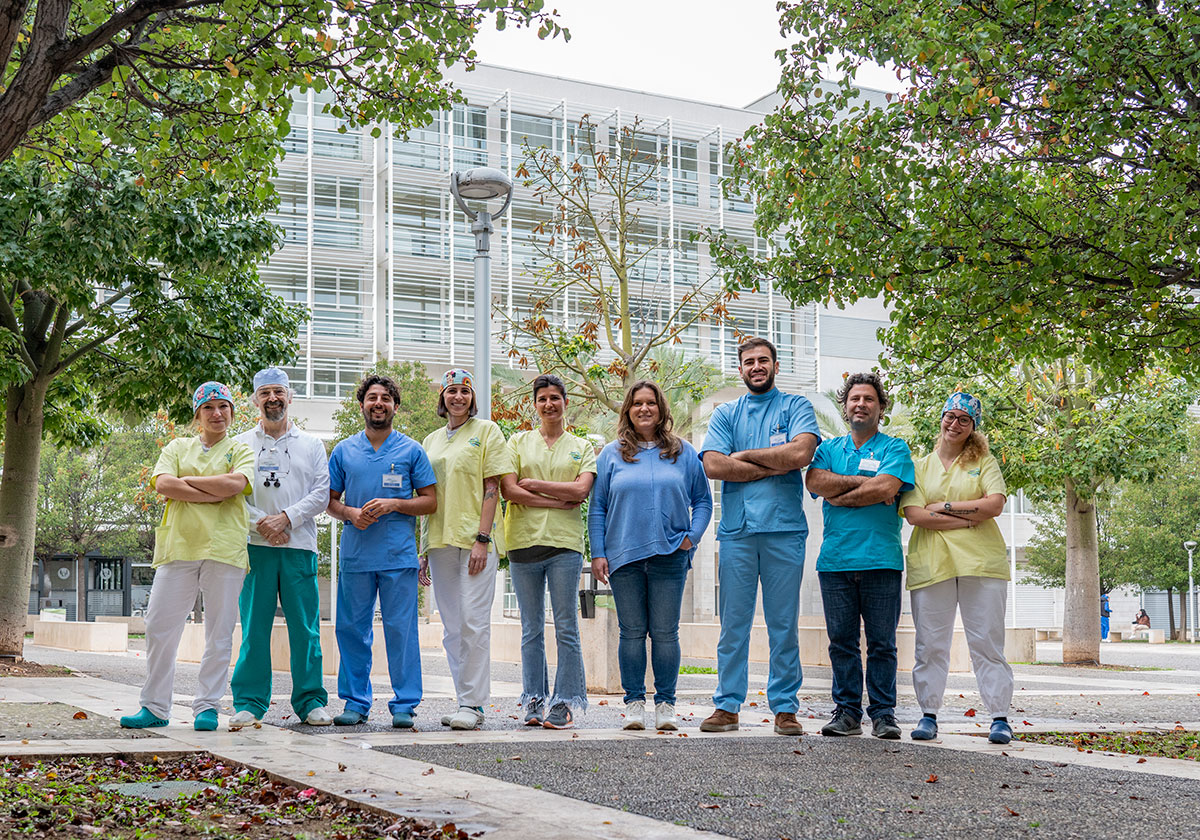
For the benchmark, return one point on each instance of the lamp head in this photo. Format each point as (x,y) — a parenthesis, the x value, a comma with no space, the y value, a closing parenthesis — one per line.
(1189,545)
(482,183)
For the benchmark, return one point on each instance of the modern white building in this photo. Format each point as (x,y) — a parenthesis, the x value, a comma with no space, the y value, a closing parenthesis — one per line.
(378,252)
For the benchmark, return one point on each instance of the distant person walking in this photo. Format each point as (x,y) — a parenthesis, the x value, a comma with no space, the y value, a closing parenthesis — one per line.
(1105,617)
(553,472)
(469,456)
(290,489)
(199,548)
(380,481)
(958,563)
(650,508)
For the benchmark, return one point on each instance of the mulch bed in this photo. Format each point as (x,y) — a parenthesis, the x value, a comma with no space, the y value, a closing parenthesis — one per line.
(25,668)
(1181,743)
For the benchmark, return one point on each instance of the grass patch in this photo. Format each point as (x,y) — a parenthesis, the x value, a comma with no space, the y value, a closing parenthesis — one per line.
(1181,744)
(697,669)
(65,798)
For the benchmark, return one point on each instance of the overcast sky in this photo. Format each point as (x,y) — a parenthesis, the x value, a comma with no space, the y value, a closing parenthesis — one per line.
(709,50)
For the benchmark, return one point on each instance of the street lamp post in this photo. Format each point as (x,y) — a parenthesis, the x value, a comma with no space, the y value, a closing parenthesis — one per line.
(1190,545)
(482,184)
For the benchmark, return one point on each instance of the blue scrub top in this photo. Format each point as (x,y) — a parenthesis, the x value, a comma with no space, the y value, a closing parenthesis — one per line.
(357,470)
(768,505)
(861,538)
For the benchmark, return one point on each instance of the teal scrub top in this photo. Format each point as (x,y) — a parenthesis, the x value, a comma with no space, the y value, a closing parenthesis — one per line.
(860,538)
(361,473)
(757,421)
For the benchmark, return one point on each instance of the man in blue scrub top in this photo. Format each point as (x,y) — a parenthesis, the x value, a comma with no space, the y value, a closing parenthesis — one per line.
(380,481)
(860,476)
(757,445)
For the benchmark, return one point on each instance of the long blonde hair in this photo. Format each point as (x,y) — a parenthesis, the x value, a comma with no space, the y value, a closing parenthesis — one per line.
(668,442)
(975,449)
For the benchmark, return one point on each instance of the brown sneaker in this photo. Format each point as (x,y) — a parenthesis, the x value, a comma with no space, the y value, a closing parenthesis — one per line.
(786,724)
(720,721)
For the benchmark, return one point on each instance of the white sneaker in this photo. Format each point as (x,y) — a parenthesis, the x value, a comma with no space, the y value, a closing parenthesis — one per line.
(635,714)
(664,717)
(466,718)
(319,717)
(243,719)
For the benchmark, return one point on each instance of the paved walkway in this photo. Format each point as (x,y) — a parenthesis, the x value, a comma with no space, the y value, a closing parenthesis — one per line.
(600,781)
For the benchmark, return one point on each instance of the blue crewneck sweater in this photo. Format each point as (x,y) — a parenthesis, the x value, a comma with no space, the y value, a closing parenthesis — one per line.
(646,508)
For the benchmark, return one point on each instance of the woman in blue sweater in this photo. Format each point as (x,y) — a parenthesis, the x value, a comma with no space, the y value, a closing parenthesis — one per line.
(649,508)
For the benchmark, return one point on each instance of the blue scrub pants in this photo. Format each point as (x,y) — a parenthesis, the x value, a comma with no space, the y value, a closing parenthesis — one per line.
(397,592)
(778,561)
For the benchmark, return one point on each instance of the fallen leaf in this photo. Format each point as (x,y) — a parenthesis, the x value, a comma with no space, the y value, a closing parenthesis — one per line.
(1141,761)
(1027,723)
(428,772)
(709,805)
(931,780)
(1145,693)
(602,703)
(518,758)
(914,796)
(1011,812)
(312,772)
(80,716)
(969,713)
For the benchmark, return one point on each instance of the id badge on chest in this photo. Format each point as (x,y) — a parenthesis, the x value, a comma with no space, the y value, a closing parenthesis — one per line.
(268,466)
(393,480)
(778,439)
(868,465)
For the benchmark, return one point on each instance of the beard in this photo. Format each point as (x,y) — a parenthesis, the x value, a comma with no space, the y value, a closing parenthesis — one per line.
(377,423)
(762,388)
(274,412)
(863,424)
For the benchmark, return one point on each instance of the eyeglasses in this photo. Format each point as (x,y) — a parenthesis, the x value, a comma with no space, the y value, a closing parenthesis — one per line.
(957,419)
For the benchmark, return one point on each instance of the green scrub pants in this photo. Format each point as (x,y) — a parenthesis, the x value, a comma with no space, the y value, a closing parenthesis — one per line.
(286,576)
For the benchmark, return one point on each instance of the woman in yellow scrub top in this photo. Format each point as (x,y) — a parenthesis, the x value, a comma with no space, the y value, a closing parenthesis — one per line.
(469,456)
(957,562)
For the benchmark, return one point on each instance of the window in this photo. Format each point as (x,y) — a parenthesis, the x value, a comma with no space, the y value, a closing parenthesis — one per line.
(297,138)
(417,221)
(719,167)
(536,132)
(290,285)
(337,301)
(686,187)
(337,212)
(336,378)
(292,214)
(417,307)
(470,137)
(298,378)
(333,136)
(422,148)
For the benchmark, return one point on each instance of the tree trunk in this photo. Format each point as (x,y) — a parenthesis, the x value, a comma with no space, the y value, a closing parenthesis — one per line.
(1183,617)
(18,508)
(1170,614)
(1081,619)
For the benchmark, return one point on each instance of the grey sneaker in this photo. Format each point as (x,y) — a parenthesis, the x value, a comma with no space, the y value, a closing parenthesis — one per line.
(885,727)
(842,723)
(534,715)
(635,715)
(559,717)
(467,717)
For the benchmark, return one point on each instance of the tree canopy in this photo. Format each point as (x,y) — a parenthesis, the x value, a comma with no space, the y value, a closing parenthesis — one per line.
(1032,192)
(197,86)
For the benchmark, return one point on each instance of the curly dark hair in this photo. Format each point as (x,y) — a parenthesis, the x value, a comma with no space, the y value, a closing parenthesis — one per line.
(373,379)
(756,341)
(871,379)
(669,444)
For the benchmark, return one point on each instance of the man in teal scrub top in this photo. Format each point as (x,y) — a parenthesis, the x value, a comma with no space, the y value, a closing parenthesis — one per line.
(757,445)
(860,477)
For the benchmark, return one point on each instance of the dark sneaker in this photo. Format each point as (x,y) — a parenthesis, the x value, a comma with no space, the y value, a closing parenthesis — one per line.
(720,721)
(1001,732)
(842,723)
(559,717)
(534,715)
(885,727)
(786,724)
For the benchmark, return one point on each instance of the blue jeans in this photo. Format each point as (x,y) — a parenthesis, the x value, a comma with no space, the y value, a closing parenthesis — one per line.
(529,580)
(872,598)
(649,596)
(777,559)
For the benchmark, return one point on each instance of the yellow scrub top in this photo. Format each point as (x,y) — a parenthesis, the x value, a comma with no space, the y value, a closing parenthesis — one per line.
(204,530)
(570,456)
(461,463)
(935,556)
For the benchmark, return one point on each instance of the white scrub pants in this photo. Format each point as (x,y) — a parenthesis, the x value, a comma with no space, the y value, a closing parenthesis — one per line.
(981,601)
(465,602)
(172,597)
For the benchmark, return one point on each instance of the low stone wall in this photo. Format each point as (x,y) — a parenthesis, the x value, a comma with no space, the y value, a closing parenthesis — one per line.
(135,623)
(81,635)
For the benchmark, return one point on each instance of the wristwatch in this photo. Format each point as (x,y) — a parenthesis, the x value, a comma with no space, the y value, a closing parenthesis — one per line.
(483,538)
